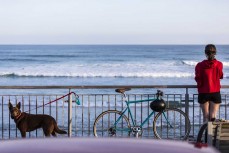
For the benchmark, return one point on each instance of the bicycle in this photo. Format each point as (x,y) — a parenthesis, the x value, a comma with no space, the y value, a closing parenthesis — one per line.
(170,123)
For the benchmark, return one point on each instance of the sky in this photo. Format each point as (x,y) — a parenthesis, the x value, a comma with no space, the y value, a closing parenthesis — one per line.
(114,21)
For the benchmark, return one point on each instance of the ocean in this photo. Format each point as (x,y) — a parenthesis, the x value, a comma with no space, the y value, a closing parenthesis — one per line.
(104,64)
(79,65)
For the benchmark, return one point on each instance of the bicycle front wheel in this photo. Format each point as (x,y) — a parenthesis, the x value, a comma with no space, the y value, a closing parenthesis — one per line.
(111,123)
(171,123)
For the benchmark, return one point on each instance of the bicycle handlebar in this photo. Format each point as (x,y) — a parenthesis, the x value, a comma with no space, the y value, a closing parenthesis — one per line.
(122,91)
(159,93)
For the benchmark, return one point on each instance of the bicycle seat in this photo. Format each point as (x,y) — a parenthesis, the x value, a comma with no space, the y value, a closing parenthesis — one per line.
(122,90)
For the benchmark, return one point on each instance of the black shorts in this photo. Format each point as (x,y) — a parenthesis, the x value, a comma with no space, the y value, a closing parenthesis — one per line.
(215,97)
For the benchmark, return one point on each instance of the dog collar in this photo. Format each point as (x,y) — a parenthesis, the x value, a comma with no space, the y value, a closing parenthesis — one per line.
(18,116)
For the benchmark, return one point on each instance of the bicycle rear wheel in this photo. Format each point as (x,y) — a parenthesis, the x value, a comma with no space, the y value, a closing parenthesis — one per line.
(111,123)
(202,134)
(172,123)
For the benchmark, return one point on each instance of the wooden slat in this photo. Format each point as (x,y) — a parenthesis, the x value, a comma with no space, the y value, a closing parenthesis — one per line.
(222,138)
(225,130)
(211,132)
(224,135)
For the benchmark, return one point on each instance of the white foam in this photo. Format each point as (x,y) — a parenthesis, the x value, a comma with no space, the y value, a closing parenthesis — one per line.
(193,63)
(190,63)
(226,64)
(97,70)
(153,69)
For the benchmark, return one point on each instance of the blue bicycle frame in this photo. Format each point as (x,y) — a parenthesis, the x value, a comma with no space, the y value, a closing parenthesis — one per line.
(131,116)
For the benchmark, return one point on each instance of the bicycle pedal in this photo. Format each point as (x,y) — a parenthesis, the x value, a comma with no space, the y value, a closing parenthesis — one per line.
(137,129)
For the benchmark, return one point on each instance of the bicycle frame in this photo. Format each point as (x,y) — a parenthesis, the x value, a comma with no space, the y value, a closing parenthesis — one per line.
(131,116)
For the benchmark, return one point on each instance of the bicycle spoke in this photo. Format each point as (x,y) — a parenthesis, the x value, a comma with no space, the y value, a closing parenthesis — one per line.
(111,124)
(171,124)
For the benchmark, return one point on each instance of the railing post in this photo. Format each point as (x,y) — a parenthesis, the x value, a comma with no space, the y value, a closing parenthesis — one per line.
(186,107)
(69,114)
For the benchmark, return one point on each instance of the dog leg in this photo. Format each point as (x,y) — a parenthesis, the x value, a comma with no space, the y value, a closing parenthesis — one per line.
(47,131)
(47,134)
(53,133)
(23,134)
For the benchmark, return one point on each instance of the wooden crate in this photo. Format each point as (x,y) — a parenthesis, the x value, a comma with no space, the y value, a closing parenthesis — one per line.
(218,135)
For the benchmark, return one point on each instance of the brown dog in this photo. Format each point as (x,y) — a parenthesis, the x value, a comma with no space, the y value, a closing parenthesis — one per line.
(28,122)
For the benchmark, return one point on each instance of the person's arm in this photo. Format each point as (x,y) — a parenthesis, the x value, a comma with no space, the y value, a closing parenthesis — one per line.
(198,75)
(221,71)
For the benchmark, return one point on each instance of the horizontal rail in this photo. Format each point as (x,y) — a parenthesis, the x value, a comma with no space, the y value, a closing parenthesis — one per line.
(97,87)
(100,87)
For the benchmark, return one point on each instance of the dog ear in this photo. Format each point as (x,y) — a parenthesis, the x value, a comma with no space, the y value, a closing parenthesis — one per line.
(18,105)
(10,106)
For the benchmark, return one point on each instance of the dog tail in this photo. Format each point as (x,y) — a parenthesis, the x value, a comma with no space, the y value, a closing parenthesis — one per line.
(56,129)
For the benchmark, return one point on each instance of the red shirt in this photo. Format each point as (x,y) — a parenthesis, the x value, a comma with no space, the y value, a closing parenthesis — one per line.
(207,75)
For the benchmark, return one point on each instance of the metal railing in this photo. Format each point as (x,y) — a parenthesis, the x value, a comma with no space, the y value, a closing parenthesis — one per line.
(78,120)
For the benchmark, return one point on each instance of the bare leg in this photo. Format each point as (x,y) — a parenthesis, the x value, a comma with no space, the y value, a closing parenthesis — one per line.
(214,108)
(205,110)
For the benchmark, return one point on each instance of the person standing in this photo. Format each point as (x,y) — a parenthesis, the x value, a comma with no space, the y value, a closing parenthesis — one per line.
(207,75)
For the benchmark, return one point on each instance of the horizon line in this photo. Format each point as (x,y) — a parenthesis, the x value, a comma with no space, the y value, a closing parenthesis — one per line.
(62,44)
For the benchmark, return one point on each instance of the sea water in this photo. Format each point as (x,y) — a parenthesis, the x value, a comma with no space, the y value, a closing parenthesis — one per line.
(78,65)
(104,64)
